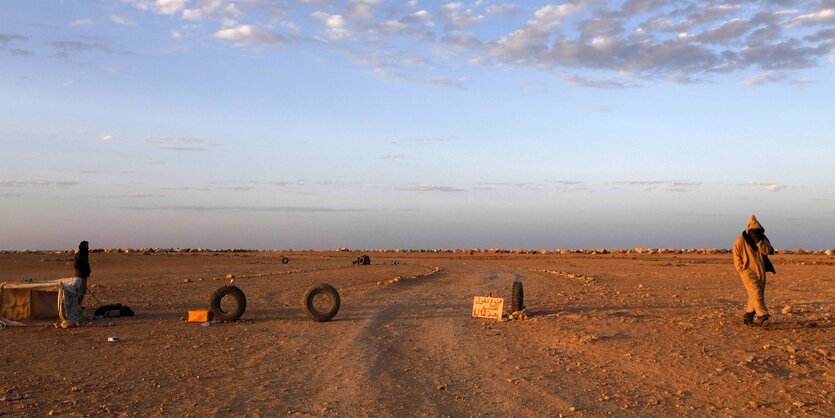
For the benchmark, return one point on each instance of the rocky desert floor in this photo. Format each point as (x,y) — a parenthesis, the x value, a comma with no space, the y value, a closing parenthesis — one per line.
(626,335)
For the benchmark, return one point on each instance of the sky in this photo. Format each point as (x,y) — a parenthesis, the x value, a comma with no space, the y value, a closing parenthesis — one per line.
(320,124)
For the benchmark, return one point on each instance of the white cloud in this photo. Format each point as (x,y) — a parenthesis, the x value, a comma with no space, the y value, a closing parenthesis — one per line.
(176,35)
(393,157)
(457,17)
(502,9)
(821,17)
(430,188)
(170,143)
(105,138)
(170,7)
(125,196)
(82,22)
(361,9)
(763,78)
(206,9)
(586,42)
(249,35)
(334,25)
(44,183)
(119,20)
(767,187)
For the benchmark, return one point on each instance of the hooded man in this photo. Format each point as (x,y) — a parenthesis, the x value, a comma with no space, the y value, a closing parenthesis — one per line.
(82,267)
(751,251)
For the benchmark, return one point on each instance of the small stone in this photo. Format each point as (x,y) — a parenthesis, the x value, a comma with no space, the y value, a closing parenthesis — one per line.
(787,310)
(791,349)
(441,387)
(186,280)
(753,404)
(798,404)
(231,276)
(572,409)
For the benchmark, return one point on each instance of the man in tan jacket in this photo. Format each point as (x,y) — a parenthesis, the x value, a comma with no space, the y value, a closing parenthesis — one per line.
(751,251)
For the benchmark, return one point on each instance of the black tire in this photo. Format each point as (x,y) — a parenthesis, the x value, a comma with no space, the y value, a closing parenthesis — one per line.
(517,298)
(236,294)
(366,260)
(321,316)
(285,260)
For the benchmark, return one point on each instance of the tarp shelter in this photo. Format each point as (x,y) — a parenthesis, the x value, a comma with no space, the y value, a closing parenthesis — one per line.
(27,303)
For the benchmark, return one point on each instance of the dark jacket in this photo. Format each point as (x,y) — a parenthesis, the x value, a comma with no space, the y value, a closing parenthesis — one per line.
(82,261)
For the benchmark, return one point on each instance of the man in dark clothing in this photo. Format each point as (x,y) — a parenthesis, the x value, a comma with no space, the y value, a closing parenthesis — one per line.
(82,268)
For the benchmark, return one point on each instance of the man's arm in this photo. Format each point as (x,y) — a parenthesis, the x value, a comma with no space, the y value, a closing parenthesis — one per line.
(737,250)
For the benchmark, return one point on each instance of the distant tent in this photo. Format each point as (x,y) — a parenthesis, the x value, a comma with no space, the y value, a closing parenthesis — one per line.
(27,303)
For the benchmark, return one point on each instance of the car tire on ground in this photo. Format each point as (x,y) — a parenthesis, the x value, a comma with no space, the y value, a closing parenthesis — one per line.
(326,314)
(517,298)
(285,260)
(228,291)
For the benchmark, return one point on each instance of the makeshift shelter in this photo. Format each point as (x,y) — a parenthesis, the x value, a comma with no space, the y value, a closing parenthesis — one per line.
(27,303)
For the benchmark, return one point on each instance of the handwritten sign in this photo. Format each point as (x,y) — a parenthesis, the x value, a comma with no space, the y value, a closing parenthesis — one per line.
(485,307)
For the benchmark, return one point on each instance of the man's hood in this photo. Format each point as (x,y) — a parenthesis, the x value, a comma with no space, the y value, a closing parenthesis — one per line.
(753,223)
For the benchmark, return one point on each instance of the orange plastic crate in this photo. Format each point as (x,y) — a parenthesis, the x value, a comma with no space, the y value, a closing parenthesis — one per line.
(199,316)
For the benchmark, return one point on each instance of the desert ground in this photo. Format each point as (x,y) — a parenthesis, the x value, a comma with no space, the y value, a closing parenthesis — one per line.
(613,334)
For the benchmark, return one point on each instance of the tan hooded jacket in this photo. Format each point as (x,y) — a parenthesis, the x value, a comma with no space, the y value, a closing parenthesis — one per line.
(751,258)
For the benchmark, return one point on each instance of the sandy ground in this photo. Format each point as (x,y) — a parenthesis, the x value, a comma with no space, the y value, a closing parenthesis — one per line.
(609,334)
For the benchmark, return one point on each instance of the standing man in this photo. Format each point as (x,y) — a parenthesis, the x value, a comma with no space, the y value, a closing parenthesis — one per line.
(82,268)
(751,251)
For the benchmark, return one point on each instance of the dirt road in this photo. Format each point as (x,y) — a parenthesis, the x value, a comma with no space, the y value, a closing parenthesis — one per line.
(638,336)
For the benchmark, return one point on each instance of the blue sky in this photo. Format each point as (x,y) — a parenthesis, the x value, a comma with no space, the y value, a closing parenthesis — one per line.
(366,123)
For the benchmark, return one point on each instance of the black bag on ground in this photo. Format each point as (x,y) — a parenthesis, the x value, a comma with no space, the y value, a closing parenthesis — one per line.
(113,310)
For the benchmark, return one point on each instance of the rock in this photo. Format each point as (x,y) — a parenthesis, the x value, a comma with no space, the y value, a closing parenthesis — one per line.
(186,280)
(231,276)
(787,310)
(441,387)
(753,404)
(791,349)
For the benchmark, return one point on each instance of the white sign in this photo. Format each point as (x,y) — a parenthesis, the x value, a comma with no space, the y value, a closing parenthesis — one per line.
(489,308)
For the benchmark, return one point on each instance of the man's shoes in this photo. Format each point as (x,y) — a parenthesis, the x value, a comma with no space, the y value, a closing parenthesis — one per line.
(762,321)
(748,319)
